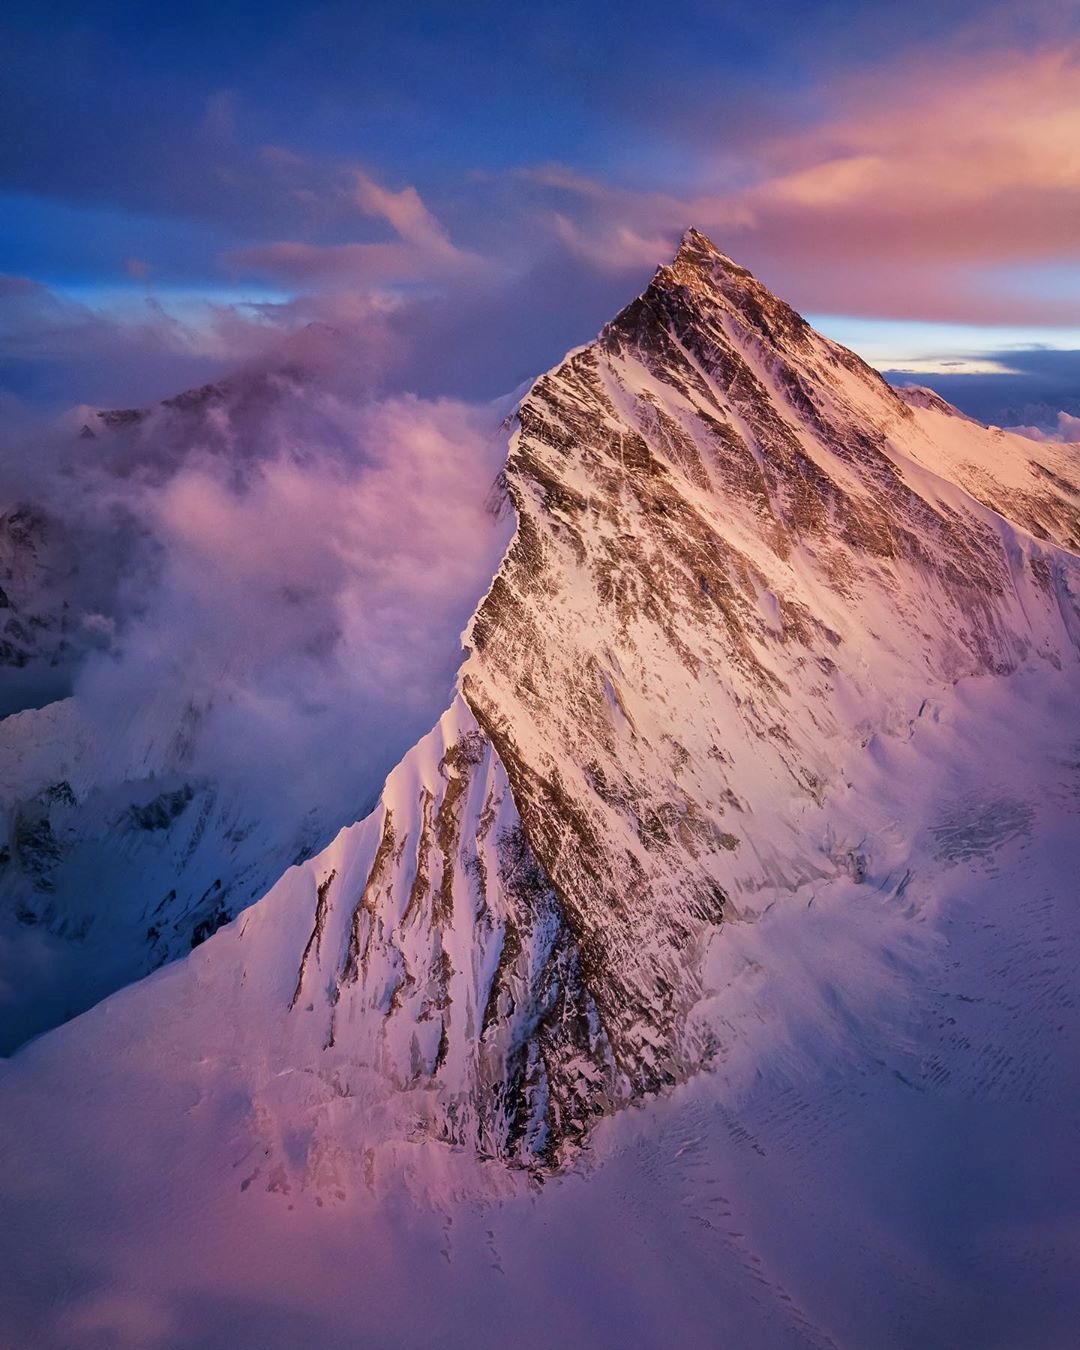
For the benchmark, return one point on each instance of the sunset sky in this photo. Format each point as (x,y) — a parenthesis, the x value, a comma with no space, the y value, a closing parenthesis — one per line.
(465,190)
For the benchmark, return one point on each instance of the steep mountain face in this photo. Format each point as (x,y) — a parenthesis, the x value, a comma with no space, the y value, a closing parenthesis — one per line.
(1034,488)
(36,633)
(117,857)
(441,953)
(740,558)
(737,566)
(729,567)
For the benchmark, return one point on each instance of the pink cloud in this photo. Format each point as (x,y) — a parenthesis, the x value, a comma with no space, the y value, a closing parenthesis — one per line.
(975,162)
(422,249)
(406,213)
(1066,428)
(921,180)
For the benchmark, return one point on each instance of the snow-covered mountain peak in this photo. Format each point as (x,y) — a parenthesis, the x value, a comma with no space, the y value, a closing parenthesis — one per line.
(760,782)
(698,256)
(718,283)
(742,565)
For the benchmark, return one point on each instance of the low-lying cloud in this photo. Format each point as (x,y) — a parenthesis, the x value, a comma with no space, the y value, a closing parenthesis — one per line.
(275,576)
(1036,388)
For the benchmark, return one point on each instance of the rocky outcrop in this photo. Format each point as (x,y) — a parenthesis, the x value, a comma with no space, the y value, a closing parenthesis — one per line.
(440,952)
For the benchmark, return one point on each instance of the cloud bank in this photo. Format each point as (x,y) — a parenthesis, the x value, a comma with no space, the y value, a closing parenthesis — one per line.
(935,183)
(273,575)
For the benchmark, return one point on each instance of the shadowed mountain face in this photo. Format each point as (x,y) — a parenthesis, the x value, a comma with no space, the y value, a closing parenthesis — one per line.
(210,598)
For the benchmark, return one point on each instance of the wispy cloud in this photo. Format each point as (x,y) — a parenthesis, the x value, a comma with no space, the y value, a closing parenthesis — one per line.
(936,184)
(421,249)
(287,557)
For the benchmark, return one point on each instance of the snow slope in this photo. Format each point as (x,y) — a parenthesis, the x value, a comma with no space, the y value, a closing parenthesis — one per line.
(757,808)
(227,574)
(118,857)
(883,1153)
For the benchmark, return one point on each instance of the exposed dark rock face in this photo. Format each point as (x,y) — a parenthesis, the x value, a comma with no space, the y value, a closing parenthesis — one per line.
(160,813)
(441,952)
(36,567)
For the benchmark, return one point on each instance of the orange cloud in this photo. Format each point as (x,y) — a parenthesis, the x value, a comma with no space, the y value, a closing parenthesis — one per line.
(978,161)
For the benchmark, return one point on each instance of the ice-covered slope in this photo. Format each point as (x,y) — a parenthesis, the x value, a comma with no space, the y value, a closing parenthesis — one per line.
(763,761)
(118,857)
(1034,486)
(730,571)
(881,1154)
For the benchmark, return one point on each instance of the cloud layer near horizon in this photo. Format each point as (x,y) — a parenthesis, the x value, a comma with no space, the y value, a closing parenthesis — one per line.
(935,181)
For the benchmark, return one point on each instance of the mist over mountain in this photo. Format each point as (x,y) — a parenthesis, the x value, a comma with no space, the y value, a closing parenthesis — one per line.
(204,601)
(1035,388)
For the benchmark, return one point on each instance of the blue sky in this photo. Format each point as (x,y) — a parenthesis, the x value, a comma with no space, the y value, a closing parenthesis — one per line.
(465,190)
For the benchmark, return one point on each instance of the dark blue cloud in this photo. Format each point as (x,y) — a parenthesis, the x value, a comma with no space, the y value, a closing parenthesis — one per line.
(131,104)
